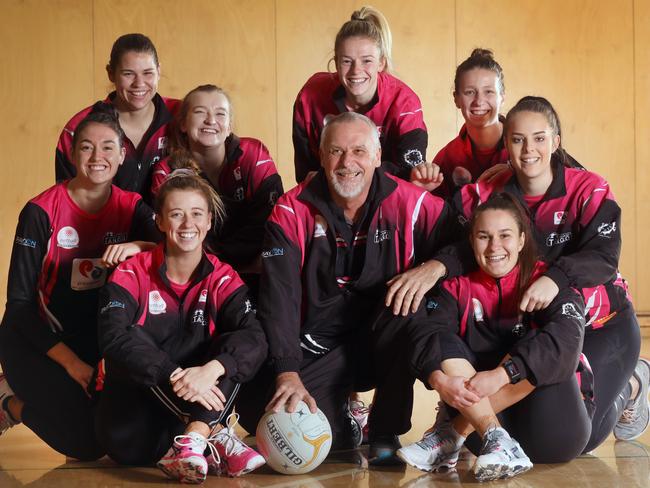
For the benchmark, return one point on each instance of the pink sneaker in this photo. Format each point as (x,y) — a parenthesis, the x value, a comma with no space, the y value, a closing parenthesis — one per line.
(185,461)
(6,422)
(230,455)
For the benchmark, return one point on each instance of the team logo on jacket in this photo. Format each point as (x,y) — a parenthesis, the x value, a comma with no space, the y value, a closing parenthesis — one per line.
(274,251)
(555,239)
(570,310)
(67,238)
(162,142)
(87,274)
(320,226)
(381,235)
(478,310)
(413,157)
(203,297)
(559,218)
(237,173)
(606,229)
(115,238)
(198,318)
(156,303)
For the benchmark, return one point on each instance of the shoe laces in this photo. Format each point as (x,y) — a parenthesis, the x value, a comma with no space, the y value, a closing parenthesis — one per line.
(358,407)
(491,441)
(187,440)
(628,416)
(232,444)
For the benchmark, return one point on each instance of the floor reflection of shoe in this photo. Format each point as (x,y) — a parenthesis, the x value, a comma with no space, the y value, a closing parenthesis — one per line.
(636,416)
(633,461)
(383,450)
(501,457)
(6,422)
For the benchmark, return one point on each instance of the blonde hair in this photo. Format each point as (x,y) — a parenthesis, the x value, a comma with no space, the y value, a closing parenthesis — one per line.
(371,23)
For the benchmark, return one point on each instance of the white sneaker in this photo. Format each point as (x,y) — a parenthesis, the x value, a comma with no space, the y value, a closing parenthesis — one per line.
(438,449)
(185,461)
(6,422)
(636,416)
(501,457)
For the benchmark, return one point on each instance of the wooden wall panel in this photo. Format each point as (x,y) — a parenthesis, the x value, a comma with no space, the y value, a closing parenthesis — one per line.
(579,55)
(45,74)
(423,53)
(642,139)
(229,43)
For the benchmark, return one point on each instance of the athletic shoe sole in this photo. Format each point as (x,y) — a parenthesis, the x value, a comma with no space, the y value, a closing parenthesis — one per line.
(183,471)
(429,468)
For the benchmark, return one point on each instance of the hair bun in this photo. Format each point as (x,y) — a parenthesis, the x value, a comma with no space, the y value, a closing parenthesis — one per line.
(479,52)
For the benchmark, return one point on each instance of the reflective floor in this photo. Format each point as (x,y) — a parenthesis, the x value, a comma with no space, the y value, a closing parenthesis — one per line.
(26,461)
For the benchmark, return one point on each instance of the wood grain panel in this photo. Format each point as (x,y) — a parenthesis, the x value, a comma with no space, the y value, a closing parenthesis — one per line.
(423,53)
(225,42)
(45,74)
(579,55)
(642,149)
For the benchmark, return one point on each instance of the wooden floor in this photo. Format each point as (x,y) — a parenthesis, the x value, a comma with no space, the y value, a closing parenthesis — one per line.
(26,461)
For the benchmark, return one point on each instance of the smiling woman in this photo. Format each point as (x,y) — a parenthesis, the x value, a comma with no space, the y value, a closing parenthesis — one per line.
(143,115)
(67,238)
(362,55)
(240,169)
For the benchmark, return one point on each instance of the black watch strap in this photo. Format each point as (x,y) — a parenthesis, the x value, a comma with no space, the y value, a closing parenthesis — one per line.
(512,371)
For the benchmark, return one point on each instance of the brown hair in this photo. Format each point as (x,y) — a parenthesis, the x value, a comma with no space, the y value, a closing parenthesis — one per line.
(371,23)
(482,59)
(528,254)
(104,117)
(138,43)
(541,105)
(186,179)
(180,156)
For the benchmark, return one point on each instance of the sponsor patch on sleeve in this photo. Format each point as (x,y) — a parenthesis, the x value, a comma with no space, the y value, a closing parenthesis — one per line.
(112,304)
(275,251)
(25,242)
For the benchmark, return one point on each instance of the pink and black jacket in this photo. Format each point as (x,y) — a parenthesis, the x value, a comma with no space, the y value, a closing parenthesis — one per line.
(305,300)
(55,272)
(577,227)
(249,185)
(135,173)
(146,330)
(396,110)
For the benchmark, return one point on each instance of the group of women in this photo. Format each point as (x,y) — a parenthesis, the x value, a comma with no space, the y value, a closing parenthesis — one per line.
(145,360)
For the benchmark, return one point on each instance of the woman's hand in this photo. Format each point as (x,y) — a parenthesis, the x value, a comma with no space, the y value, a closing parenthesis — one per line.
(453,390)
(406,290)
(487,383)
(539,295)
(77,369)
(199,383)
(117,253)
(427,176)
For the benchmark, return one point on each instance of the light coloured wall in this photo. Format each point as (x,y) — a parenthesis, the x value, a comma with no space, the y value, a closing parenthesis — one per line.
(582,55)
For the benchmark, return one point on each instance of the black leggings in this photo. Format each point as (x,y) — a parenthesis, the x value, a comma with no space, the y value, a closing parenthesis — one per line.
(56,407)
(136,425)
(613,352)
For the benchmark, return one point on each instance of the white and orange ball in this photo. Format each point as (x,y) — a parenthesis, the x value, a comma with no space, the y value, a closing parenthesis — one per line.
(294,443)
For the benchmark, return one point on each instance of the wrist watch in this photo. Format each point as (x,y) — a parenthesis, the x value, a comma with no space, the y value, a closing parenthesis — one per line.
(512,371)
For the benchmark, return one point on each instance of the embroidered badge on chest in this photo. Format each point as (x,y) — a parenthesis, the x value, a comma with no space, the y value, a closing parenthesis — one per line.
(478,310)
(67,238)
(157,305)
